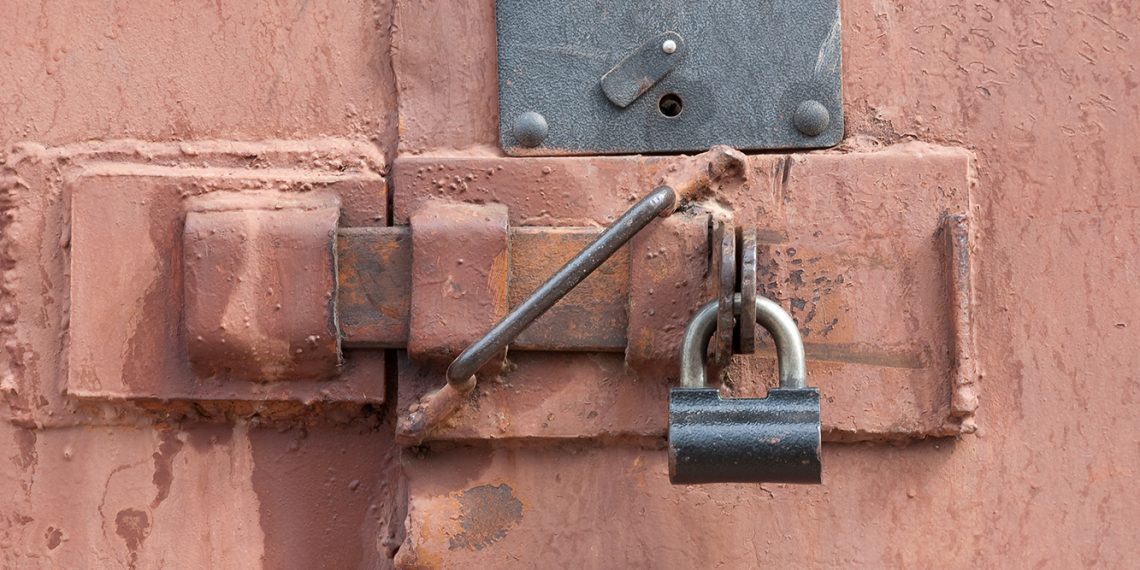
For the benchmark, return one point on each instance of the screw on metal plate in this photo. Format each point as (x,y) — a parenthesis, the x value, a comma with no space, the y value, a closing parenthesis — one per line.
(811,118)
(530,129)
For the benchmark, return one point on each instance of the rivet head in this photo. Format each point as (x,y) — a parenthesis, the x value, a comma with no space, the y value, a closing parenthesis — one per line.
(669,46)
(530,129)
(811,118)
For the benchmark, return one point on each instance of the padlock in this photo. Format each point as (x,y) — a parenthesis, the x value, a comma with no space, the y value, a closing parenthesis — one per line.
(744,440)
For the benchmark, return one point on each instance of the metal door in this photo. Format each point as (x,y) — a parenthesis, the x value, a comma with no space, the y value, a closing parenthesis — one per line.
(218,298)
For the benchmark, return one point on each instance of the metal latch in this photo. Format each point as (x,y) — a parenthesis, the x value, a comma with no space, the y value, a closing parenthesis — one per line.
(274,292)
(440,404)
(301,258)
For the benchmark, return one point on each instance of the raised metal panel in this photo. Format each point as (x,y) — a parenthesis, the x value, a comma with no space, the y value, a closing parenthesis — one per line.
(759,74)
(129,321)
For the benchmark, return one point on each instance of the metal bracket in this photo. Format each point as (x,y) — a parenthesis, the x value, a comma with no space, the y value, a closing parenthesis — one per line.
(749,75)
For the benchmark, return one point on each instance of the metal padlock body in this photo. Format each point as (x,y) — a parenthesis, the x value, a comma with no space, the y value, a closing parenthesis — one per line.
(744,440)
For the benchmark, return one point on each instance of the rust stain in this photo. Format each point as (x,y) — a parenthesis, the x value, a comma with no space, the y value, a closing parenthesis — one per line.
(133,526)
(53,536)
(857,353)
(205,436)
(812,284)
(26,442)
(497,281)
(168,447)
(324,494)
(486,513)
(139,364)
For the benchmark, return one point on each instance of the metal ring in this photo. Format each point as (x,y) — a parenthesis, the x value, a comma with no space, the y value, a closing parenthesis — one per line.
(785,334)
(724,240)
(745,333)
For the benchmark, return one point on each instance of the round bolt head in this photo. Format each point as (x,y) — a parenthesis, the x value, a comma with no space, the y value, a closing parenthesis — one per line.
(530,129)
(811,118)
(669,46)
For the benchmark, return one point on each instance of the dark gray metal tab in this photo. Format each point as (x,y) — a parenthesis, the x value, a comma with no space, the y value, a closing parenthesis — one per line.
(639,71)
(754,75)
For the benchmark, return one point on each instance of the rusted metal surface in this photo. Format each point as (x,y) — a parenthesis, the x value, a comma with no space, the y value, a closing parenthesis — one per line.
(259,282)
(592,316)
(421,417)
(722,284)
(744,337)
(460,261)
(374,297)
(711,166)
(565,279)
(964,394)
(691,175)
(374,286)
(549,192)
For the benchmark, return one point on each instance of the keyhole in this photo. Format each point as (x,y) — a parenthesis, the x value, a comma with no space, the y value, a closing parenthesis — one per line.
(670,105)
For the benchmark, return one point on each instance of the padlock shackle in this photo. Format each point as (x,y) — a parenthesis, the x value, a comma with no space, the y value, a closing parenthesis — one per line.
(778,323)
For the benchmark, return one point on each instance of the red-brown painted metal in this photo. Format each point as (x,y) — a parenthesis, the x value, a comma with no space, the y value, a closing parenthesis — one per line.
(259,276)
(962,269)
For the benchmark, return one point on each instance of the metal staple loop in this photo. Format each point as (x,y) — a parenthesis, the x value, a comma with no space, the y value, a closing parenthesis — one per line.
(778,323)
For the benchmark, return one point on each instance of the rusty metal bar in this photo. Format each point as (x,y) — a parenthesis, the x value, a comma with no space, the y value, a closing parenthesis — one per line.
(569,276)
(374,297)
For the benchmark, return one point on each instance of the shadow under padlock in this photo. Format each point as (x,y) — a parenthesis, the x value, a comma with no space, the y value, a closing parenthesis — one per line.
(744,440)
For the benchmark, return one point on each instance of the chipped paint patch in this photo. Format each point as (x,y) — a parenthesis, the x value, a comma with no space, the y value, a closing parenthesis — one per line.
(486,513)
(53,536)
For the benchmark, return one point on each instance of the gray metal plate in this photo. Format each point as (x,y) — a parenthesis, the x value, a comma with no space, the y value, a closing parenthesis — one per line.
(750,64)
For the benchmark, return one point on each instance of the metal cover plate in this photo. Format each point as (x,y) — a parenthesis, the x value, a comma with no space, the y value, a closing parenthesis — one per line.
(749,66)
